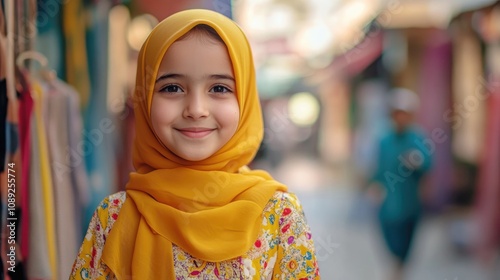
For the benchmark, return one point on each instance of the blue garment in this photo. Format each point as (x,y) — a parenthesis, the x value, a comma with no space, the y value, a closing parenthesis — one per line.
(403,159)
(99,156)
(398,236)
(49,34)
(12,132)
(396,151)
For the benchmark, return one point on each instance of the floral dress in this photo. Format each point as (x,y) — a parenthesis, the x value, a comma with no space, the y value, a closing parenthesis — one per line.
(283,250)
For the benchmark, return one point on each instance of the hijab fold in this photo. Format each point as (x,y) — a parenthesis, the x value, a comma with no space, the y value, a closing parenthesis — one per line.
(212,209)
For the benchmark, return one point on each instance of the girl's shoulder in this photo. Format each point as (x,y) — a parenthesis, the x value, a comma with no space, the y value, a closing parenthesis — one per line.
(112,202)
(282,200)
(107,211)
(88,264)
(283,206)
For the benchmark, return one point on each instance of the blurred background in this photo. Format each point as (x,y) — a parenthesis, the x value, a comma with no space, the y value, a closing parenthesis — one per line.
(324,71)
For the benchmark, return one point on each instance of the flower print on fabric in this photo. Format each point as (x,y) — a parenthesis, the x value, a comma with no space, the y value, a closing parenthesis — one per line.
(283,250)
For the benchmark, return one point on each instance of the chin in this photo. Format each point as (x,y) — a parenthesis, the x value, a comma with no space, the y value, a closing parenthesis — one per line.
(195,157)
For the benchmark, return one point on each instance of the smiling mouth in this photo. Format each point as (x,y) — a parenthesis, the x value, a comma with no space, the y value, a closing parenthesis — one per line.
(195,132)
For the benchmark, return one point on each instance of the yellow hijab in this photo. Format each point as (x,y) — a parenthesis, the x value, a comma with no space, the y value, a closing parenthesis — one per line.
(212,209)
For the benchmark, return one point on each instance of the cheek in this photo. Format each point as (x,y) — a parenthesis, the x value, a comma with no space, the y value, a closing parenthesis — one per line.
(232,113)
(161,112)
(235,120)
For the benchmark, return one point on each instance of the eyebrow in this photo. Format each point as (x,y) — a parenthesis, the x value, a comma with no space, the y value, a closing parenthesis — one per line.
(169,76)
(221,77)
(178,76)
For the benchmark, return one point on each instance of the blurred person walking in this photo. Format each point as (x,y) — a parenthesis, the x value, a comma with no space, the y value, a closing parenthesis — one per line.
(403,160)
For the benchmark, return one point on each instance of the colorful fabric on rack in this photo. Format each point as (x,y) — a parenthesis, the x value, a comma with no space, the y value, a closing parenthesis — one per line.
(79,178)
(98,126)
(126,133)
(39,266)
(77,72)
(64,197)
(3,119)
(488,196)
(13,160)
(25,114)
(49,38)
(435,96)
(45,178)
(12,137)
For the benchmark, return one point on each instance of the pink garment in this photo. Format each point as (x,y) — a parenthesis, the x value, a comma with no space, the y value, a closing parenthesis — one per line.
(434,89)
(488,193)
(59,131)
(124,156)
(25,111)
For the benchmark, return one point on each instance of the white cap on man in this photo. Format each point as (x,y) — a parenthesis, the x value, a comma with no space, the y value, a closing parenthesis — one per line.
(402,99)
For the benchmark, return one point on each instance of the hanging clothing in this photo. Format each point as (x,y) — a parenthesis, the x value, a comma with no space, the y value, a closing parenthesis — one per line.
(434,88)
(77,72)
(42,196)
(3,120)
(49,36)
(99,157)
(56,202)
(14,168)
(57,125)
(3,152)
(79,178)
(126,133)
(25,116)
(488,194)
(3,147)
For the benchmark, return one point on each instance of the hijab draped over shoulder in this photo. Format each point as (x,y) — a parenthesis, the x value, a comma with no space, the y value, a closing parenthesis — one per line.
(212,208)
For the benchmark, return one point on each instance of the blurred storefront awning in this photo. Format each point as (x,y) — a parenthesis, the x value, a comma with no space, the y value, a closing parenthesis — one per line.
(294,38)
(428,13)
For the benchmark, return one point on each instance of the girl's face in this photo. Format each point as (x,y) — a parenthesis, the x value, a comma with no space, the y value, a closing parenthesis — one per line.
(195,111)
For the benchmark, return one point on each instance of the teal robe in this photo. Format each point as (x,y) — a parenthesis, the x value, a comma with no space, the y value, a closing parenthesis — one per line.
(403,159)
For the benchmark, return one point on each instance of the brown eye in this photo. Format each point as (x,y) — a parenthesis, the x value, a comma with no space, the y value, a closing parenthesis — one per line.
(220,89)
(171,88)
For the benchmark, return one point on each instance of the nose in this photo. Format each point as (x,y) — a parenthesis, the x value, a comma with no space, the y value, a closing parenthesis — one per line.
(196,106)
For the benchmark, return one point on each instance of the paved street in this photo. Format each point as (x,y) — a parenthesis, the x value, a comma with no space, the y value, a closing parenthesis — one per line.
(347,239)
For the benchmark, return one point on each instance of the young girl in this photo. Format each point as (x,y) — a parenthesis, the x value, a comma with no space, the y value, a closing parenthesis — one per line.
(192,209)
